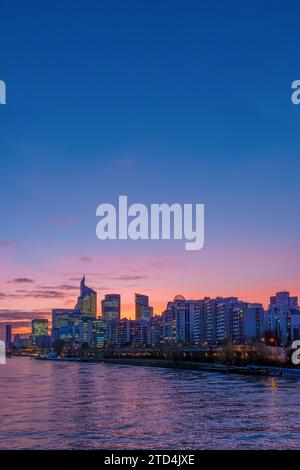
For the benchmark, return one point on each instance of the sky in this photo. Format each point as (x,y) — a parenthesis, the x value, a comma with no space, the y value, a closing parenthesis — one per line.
(162,101)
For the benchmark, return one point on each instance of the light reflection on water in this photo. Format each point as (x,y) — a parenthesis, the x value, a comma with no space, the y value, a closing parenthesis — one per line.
(50,405)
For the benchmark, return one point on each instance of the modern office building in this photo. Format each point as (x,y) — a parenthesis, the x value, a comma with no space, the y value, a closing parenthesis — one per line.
(39,327)
(142,309)
(100,333)
(62,316)
(69,333)
(111,307)
(87,301)
(39,333)
(86,330)
(65,325)
(8,337)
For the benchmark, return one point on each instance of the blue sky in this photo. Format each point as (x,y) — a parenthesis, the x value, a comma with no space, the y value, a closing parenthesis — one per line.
(165,101)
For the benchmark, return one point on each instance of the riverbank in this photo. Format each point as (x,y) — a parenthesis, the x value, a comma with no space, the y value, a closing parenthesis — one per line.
(70,359)
(202,366)
(250,369)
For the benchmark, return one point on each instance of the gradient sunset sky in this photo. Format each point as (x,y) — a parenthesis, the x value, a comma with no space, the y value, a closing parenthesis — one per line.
(163,101)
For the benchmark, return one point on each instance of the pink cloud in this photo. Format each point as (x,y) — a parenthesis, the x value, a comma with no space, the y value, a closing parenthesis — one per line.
(85,259)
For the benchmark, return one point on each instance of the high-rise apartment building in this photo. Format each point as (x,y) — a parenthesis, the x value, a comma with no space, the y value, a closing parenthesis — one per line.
(237,321)
(283,318)
(181,320)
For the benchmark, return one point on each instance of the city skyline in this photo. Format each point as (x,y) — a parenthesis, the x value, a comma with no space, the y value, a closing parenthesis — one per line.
(135,314)
(185,114)
(184,322)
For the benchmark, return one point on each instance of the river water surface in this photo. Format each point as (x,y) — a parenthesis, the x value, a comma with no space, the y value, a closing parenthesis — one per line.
(51,405)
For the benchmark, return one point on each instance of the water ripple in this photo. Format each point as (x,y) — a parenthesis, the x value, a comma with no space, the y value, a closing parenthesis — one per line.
(47,405)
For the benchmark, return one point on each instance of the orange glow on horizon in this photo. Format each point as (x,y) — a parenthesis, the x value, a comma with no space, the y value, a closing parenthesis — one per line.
(250,275)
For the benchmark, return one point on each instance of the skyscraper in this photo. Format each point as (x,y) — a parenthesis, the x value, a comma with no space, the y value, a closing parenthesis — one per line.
(8,336)
(111,307)
(142,309)
(87,301)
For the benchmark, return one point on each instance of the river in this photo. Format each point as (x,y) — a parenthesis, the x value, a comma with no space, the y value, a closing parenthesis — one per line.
(51,405)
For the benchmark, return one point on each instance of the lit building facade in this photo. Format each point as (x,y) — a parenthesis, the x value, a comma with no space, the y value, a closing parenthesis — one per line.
(39,327)
(181,321)
(39,333)
(143,311)
(111,307)
(100,333)
(65,325)
(87,301)
(86,330)
(283,318)
(238,322)
(169,324)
